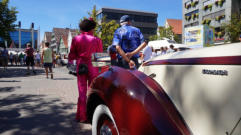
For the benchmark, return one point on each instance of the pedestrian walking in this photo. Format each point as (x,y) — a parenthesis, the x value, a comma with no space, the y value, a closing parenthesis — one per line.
(128,41)
(30,58)
(5,58)
(47,60)
(82,47)
(37,59)
(11,58)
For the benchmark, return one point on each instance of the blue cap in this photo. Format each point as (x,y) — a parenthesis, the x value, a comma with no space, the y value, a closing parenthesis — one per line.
(125,18)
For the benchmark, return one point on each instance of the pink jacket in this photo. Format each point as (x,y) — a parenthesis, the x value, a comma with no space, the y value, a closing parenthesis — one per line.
(83,46)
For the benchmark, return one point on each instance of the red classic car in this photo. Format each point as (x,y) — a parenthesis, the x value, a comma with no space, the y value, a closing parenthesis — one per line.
(183,93)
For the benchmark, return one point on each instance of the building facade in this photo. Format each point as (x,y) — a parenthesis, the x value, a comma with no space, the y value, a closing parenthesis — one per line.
(20,38)
(145,21)
(176,25)
(209,12)
(60,39)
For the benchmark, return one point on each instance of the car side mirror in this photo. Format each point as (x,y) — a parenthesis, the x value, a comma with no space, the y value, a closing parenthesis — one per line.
(100,59)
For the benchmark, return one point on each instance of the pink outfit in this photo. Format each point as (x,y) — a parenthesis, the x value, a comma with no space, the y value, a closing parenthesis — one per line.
(81,50)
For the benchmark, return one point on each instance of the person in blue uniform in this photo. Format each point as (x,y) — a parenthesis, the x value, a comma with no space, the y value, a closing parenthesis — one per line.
(128,41)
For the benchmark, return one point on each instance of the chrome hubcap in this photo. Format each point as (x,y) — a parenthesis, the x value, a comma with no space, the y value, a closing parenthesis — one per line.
(105,130)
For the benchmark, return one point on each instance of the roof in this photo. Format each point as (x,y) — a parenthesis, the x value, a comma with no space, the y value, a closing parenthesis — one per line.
(48,36)
(176,25)
(74,33)
(126,11)
(59,32)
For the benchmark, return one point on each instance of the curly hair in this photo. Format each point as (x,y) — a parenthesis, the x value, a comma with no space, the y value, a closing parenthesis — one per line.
(87,25)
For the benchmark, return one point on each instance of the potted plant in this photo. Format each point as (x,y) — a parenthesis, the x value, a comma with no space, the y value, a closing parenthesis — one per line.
(220,2)
(205,7)
(197,15)
(203,21)
(188,6)
(193,16)
(208,21)
(217,18)
(196,2)
(188,18)
(193,4)
(210,7)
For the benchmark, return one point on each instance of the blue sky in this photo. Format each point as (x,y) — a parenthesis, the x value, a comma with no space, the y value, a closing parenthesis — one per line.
(47,14)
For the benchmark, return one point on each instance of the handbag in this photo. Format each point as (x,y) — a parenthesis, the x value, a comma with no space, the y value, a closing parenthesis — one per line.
(83,69)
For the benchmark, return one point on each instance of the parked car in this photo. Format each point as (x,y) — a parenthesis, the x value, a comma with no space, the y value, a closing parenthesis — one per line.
(183,93)
(71,66)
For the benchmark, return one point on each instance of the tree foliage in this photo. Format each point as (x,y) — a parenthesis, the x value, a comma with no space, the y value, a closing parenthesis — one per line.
(7,18)
(233,28)
(93,15)
(165,33)
(104,30)
(107,30)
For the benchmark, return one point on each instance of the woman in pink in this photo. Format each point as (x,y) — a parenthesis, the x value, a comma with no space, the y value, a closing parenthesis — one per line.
(81,50)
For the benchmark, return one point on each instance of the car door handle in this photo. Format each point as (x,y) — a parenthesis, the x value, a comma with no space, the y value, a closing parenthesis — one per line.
(152,75)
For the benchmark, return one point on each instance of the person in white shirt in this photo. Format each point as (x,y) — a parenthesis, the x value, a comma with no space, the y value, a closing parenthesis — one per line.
(163,51)
(155,53)
(38,58)
(171,49)
(147,53)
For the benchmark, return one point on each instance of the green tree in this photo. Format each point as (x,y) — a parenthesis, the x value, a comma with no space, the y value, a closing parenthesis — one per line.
(233,28)
(164,33)
(7,18)
(107,30)
(104,30)
(93,15)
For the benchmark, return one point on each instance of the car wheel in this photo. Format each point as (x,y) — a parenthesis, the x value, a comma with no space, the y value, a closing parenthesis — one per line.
(103,122)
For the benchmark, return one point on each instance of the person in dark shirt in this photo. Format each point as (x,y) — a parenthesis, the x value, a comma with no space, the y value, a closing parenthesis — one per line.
(30,58)
(128,41)
(5,56)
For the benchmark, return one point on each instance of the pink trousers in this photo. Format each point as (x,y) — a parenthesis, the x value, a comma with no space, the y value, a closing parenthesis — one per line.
(82,81)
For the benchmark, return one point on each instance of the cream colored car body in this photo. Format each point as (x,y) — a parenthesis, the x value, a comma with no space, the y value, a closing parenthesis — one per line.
(210,104)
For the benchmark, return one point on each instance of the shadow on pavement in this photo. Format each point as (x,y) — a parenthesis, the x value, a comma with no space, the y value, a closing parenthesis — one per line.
(8,89)
(63,79)
(18,72)
(37,115)
(9,81)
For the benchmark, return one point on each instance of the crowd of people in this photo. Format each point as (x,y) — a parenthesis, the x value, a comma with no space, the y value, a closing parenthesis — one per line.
(8,58)
(29,58)
(148,52)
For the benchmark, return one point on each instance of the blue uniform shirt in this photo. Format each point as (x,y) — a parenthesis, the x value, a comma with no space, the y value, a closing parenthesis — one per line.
(128,38)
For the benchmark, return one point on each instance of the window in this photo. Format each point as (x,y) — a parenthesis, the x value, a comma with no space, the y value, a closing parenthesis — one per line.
(214,15)
(99,16)
(205,3)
